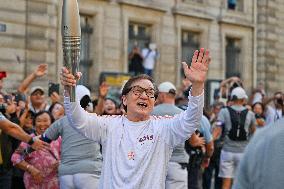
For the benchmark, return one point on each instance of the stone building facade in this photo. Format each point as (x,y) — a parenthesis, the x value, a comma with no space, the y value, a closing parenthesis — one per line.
(246,39)
(270,44)
(30,39)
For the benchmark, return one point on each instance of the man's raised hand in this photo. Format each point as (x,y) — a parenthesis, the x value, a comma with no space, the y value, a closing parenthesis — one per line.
(197,72)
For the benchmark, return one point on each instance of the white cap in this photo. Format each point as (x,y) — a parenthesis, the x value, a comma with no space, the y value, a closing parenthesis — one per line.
(82,91)
(257,97)
(238,93)
(36,88)
(167,87)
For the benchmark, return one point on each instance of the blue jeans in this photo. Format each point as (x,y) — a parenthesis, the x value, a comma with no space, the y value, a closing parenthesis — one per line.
(208,173)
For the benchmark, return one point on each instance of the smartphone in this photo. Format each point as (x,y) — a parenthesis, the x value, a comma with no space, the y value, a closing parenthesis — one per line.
(53,87)
(257,116)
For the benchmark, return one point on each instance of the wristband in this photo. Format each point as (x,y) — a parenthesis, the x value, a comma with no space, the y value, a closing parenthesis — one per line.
(31,141)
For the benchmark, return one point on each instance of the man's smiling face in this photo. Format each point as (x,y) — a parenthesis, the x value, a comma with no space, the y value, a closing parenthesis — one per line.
(140,100)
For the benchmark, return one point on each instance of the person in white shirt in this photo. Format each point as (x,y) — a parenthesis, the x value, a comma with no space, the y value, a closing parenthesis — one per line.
(150,55)
(276,111)
(137,147)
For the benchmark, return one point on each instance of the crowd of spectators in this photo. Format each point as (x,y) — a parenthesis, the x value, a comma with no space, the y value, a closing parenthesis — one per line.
(200,157)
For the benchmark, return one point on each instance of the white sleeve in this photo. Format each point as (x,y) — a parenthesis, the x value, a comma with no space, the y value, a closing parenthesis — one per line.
(269,115)
(90,125)
(179,128)
(144,53)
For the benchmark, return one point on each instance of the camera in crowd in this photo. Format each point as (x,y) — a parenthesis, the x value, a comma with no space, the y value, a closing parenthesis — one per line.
(257,116)
(53,87)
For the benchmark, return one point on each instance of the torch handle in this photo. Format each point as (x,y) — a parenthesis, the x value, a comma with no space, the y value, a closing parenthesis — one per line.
(71,54)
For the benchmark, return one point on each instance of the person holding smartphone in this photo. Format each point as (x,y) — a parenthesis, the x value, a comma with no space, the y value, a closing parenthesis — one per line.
(150,56)
(9,128)
(258,110)
(275,111)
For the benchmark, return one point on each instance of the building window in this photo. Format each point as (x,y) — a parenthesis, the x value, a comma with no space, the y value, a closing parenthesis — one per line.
(189,43)
(233,52)
(85,59)
(138,36)
(235,5)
